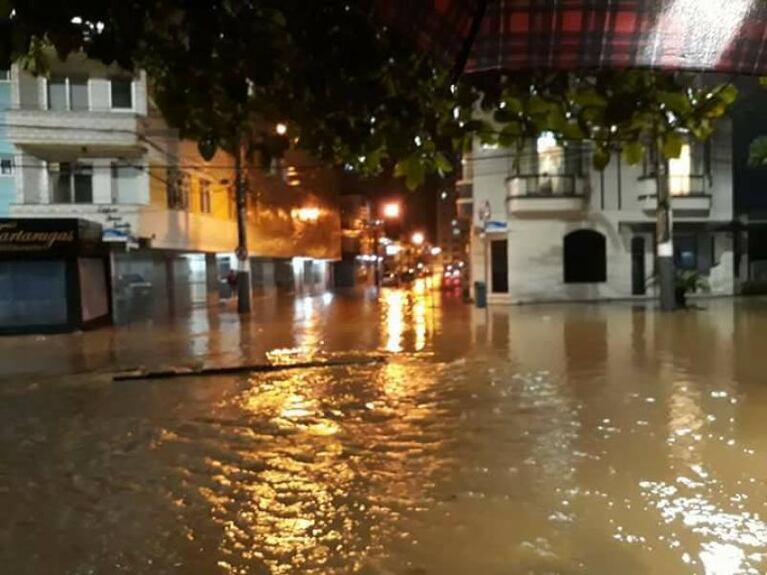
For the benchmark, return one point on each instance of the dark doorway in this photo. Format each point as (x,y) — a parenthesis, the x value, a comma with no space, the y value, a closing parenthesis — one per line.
(638,286)
(585,257)
(499,266)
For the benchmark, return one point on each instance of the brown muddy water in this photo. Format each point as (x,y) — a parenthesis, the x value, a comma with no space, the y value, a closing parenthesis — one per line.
(549,439)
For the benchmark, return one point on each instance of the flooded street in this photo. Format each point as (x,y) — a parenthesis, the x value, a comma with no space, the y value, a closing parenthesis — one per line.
(543,439)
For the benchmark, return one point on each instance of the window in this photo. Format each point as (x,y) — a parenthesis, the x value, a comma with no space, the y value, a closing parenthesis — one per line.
(585,257)
(556,165)
(177,189)
(71,183)
(5,75)
(686,252)
(68,93)
(687,172)
(57,94)
(122,93)
(6,165)
(126,185)
(205,196)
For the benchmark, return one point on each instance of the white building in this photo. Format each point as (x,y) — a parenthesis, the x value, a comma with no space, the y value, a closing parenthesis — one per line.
(549,227)
(92,145)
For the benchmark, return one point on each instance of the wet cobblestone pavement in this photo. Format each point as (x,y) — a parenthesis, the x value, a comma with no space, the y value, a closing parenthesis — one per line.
(546,439)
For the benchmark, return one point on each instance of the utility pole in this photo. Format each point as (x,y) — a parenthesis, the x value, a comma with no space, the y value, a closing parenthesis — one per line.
(664,233)
(243,262)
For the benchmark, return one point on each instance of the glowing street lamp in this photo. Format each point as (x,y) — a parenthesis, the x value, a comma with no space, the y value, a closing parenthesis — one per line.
(281,129)
(417,238)
(391,210)
(306,214)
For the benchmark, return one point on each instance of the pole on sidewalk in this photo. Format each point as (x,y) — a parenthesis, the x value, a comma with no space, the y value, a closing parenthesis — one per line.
(243,262)
(376,250)
(664,234)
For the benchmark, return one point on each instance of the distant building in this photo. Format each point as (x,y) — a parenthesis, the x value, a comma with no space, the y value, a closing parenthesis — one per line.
(90,144)
(358,243)
(453,227)
(7,151)
(550,228)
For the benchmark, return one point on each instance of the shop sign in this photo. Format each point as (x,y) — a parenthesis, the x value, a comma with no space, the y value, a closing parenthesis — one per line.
(36,235)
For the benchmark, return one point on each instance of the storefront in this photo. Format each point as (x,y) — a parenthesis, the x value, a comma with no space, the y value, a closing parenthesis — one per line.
(54,276)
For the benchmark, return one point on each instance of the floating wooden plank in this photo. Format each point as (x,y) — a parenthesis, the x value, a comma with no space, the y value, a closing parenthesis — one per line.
(236,369)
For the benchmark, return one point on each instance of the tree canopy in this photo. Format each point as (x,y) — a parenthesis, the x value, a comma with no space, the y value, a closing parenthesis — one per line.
(352,92)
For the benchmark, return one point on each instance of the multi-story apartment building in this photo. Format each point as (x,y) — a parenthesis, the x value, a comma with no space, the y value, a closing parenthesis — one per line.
(7,152)
(548,227)
(90,144)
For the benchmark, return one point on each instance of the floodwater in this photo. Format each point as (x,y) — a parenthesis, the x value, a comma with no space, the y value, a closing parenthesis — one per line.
(543,440)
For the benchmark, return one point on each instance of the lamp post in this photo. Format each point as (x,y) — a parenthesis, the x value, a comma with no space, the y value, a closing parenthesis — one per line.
(389,211)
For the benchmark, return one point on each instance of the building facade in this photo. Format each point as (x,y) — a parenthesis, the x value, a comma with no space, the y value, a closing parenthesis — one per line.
(453,229)
(358,246)
(548,227)
(90,144)
(7,151)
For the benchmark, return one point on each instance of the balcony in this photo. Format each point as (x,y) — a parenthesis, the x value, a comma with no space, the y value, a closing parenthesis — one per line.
(49,128)
(544,194)
(688,197)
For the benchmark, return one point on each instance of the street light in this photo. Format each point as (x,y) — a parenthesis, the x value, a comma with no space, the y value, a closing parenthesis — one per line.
(417,238)
(391,210)
(281,129)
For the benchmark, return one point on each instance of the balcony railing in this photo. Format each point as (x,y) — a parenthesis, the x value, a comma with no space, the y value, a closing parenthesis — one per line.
(81,128)
(544,193)
(689,196)
(545,185)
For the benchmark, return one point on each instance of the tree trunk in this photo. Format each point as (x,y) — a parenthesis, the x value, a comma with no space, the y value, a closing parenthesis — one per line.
(664,234)
(243,262)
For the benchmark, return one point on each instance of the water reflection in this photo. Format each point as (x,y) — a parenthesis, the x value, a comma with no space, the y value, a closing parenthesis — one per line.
(554,439)
(409,313)
(324,491)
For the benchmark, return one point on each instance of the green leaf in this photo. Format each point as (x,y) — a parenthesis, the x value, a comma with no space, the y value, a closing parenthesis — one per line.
(757,156)
(509,138)
(677,102)
(513,105)
(442,163)
(728,94)
(589,98)
(633,152)
(763,81)
(572,131)
(600,158)
(703,130)
(413,170)
(504,116)
(537,106)
(672,145)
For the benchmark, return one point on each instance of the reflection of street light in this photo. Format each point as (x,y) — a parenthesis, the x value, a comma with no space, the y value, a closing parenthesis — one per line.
(417,238)
(391,210)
